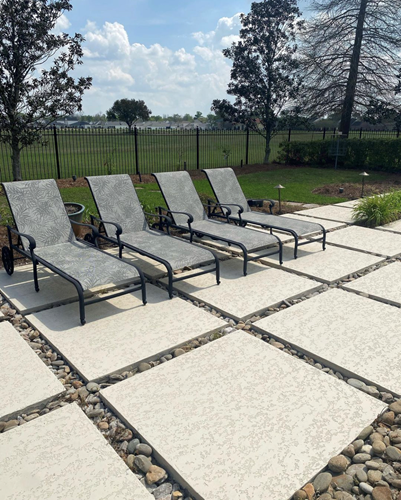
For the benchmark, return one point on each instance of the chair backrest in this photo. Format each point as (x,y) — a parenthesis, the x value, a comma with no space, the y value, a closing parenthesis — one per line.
(116,201)
(39,211)
(226,187)
(180,194)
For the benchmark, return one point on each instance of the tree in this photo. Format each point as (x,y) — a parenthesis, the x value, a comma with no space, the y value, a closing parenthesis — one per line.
(32,94)
(128,111)
(187,117)
(351,54)
(198,115)
(264,75)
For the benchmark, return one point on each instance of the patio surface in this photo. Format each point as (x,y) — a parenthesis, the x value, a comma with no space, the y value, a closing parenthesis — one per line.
(122,332)
(383,284)
(241,297)
(367,240)
(228,438)
(19,366)
(329,212)
(326,266)
(61,455)
(327,224)
(355,335)
(393,226)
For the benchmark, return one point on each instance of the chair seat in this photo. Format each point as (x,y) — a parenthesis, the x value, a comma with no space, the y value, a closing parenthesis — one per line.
(252,240)
(300,227)
(178,253)
(87,265)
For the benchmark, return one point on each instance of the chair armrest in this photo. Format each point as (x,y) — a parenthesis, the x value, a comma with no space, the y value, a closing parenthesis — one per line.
(215,204)
(94,229)
(119,229)
(190,217)
(271,202)
(161,216)
(31,239)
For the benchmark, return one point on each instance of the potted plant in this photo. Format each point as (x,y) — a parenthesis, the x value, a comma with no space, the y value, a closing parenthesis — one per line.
(75,212)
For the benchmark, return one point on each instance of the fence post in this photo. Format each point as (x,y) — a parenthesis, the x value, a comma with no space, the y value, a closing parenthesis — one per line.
(324,133)
(360,134)
(334,132)
(247,147)
(136,150)
(289,135)
(197,148)
(56,149)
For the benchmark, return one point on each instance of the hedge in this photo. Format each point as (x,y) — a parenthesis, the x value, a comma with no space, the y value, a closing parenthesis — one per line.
(375,154)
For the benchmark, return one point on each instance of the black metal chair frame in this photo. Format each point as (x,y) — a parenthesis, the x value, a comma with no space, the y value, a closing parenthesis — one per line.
(8,262)
(193,232)
(121,245)
(213,213)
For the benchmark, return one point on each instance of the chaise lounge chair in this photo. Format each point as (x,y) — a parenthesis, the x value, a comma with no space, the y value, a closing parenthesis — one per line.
(188,214)
(116,201)
(228,191)
(45,236)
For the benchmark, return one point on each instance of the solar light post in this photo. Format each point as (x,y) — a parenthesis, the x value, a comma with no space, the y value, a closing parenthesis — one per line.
(279,188)
(363,175)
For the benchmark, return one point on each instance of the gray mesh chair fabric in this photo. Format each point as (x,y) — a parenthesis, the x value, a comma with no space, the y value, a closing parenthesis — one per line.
(39,213)
(180,195)
(117,201)
(87,265)
(38,210)
(227,189)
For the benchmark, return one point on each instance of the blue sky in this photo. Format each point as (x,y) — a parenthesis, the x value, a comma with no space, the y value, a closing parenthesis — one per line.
(165,52)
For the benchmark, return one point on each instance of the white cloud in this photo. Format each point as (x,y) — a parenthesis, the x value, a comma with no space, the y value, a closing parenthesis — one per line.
(62,24)
(169,81)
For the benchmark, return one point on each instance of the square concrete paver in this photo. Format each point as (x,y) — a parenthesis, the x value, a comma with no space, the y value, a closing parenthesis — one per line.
(62,455)
(382,284)
(358,336)
(241,297)
(395,227)
(329,212)
(121,332)
(327,224)
(19,289)
(25,380)
(367,240)
(327,266)
(348,204)
(239,419)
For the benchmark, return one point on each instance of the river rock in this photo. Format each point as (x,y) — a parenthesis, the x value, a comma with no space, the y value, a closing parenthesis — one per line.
(393,453)
(142,463)
(300,495)
(396,407)
(155,474)
(338,463)
(367,431)
(381,493)
(343,482)
(361,458)
(322,482)
(143,449)
(378,447)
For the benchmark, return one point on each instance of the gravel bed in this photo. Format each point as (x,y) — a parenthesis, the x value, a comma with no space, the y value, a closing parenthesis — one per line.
(367,469)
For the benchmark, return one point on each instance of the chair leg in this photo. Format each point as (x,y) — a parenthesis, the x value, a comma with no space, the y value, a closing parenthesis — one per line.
(245,256)
(217,271)
(81,306)
(280,252)
(296,248)
(35,275)
(170,282)
(324,239)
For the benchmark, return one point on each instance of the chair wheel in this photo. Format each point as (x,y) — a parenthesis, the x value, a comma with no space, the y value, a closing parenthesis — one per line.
(89,238)
(8,260)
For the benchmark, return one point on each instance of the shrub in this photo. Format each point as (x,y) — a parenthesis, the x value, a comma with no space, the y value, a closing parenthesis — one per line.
(378,210)
(375,154)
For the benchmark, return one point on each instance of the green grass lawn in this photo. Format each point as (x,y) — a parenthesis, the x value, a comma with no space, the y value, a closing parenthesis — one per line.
(299,184)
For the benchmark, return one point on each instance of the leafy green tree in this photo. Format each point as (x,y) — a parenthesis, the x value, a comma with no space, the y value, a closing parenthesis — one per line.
(187,118)
(264,77)
(198,115)
(128,111)
(350,56)
(32,96)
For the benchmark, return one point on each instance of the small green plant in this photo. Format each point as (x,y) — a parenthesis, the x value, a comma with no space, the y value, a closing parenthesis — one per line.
(226,155)
(109,163)
(378,210)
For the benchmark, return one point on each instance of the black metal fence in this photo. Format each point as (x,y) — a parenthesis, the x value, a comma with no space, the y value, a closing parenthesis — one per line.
(64,153)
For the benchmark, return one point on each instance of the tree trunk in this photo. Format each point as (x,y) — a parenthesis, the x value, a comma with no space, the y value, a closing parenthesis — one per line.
(15,156)
(348,104)
(267,147)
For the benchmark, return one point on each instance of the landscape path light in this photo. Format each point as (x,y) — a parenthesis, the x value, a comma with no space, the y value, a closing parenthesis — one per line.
(363,175)
(279,187)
